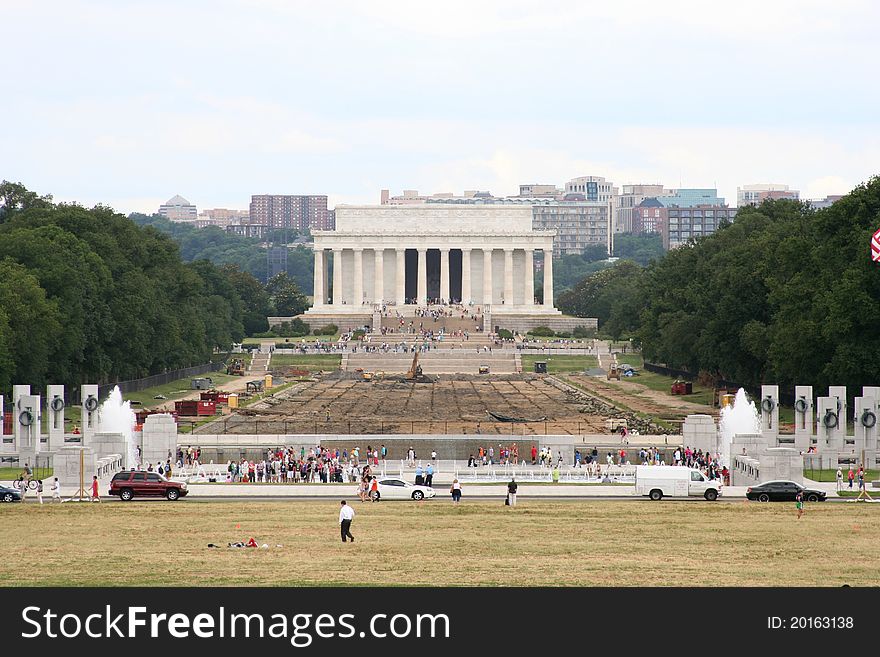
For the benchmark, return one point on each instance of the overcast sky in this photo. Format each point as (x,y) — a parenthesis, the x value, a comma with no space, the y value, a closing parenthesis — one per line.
(128,102)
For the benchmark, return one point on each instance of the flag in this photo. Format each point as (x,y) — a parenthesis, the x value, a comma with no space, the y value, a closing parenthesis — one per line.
(875,247)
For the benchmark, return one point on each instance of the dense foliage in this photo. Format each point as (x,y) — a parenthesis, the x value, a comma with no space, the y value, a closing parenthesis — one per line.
(88,296)
(784,295)
(221,248)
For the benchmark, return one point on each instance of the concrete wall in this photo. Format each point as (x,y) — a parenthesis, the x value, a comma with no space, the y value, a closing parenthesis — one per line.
(525,323)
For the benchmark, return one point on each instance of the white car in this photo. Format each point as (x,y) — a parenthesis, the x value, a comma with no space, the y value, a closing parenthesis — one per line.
(392,488)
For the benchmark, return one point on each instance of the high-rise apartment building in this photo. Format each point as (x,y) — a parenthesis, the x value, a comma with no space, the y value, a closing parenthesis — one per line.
(681,215)
(221,217)
(291,211)
(178,208)
(757,194)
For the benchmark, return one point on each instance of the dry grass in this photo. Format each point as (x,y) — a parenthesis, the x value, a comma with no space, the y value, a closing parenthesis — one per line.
(478,543)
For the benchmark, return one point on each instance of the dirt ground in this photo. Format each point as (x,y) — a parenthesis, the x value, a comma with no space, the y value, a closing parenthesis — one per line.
(641,398)
(448,405)
(537,543)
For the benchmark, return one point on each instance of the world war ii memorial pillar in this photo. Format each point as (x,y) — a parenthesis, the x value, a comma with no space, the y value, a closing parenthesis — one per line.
(55,415)
(90,415)
(804,417)
(770,415)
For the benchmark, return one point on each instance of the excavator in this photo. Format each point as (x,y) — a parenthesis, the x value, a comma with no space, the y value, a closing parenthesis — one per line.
(414,374)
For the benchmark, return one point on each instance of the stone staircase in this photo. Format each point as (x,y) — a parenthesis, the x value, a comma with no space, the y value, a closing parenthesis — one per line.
(440,361)
(260,362)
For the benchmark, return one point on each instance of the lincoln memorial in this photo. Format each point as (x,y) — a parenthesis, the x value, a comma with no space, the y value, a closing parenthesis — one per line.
(410,255)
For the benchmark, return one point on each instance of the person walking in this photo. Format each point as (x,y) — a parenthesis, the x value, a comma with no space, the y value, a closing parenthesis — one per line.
(346,515)
(95,496)
(511,492)
(40,491)
(799,503)
(374,489)
(851,476)
(455,490)
(429,475)
(56,490)
(556,475)
(839,479)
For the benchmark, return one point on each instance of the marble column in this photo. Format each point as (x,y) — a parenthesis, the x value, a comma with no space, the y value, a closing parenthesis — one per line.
(319,278)
(400,277)
(379,277)
(466,295)
(508,277)
(529,278)
(548,277)
(358,277)
(444,275)
(422,266)
(337,277)
(487,276)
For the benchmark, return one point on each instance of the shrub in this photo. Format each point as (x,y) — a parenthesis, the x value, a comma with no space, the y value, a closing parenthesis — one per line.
(542,332)
(504,334)
(563,334)
(329,329)
(358,335)
(582,332)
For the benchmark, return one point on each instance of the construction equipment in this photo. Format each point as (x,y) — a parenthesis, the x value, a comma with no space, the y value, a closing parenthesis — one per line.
(484,369)
(366,376)
(613,372)
(414,374)
(235,367)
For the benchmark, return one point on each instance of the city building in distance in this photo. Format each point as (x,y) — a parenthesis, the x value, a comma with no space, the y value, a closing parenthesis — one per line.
(818,204)
(757,194)
(682,215)
(297,212)
(221,217)
(178,208)
(630,197)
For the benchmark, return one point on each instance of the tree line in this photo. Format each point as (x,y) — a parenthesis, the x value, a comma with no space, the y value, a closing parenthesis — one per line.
(784,295)
(222,248)
(89,296)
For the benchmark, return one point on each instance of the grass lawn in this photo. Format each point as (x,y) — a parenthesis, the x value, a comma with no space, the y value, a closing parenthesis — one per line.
(831,475)
(873,492)
(307,361)
(175,389)
(435,544)
(9,474)
(294,341)
(557,364)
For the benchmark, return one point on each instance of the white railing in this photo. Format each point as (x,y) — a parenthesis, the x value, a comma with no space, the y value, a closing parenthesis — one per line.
(567,474)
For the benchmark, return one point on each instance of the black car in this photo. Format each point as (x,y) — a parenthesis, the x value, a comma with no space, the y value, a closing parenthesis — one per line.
(9,494)
(783,491)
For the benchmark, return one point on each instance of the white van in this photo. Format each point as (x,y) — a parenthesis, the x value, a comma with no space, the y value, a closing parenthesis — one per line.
(655,481)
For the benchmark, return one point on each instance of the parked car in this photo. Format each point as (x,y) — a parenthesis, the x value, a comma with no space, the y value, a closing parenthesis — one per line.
(137,483)
(392,488)
(8,494)
(783,491)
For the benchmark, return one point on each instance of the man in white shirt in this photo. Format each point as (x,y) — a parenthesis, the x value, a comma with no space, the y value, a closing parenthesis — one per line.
(346,515)
(56,490)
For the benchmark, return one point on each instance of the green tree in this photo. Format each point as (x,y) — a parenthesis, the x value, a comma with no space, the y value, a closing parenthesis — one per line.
(286,298)
(15,197)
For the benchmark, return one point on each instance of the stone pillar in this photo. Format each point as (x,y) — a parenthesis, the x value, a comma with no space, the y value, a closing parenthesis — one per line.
(529,278)
(358,277)
(487,276)
(548,277)
(18,391)
(55,416)
(422,266)
(90,415)
(508,277)
(319,278)
(444,275)
(337,277)
(379,275)
(466,294)
(400,277)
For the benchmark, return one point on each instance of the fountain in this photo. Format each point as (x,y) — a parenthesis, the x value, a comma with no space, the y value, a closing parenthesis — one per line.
(741,417)
(117,417)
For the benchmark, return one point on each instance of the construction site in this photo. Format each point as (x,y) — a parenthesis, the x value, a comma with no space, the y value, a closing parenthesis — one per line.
(459,391)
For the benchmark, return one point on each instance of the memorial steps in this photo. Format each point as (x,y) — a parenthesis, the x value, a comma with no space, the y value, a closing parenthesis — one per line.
(456,361)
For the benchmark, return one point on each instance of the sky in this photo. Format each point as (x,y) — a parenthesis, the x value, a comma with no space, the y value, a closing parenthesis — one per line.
(128,103)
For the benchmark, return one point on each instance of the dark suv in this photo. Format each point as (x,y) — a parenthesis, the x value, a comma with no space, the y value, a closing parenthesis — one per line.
(137,483)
